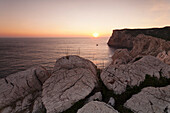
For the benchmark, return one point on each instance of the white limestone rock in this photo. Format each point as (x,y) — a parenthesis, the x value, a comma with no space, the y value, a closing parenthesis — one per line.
(121,56)
(97,107)
(117,78)
(150,100)
(73,61)
(111,101)
(31,103)
(73,79)
(16,89)
(96,96)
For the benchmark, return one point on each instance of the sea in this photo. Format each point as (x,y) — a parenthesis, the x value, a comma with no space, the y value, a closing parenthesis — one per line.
(18,54)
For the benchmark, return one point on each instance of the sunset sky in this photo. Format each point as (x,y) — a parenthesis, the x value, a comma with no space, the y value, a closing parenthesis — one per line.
(79,18)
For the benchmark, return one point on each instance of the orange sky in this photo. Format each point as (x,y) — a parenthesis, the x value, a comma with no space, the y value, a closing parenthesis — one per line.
(79,18)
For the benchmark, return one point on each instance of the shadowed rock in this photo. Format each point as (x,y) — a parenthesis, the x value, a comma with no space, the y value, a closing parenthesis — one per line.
(96,96)
(150,100)
(117,78)
(73,79)
(97,107)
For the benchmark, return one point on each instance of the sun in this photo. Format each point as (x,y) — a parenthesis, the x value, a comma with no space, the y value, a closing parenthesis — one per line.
(95,35)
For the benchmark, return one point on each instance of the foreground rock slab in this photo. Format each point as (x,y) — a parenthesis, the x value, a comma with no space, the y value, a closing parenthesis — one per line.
(150,100)
(97,107)
(73,79)
(19,90)
(117,78)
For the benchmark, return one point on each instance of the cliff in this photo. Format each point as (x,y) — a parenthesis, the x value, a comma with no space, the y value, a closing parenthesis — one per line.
(124,38)
(137,80)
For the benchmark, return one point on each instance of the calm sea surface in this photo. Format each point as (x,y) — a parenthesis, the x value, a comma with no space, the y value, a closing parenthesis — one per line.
(18,54)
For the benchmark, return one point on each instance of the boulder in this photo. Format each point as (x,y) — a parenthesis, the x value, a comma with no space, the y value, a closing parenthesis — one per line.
(121,56)
(31,103)
(73,79)
(150,100)
(17,89)
(164,56)
(73,61)
(97,107)
(117,78)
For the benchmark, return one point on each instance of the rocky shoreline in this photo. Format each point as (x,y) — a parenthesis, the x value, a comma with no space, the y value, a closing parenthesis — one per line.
(137,81)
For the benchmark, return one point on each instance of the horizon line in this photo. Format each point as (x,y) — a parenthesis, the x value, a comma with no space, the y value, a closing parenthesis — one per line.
(52,37)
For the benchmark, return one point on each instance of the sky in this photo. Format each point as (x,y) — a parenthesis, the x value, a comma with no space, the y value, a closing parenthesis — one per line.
(79,18)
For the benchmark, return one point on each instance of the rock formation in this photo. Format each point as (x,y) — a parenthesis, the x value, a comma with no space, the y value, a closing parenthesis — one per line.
(150,100)
(143,45)
(20,91)
(164,57)
(73,79)
(75,82)
(120,39)
(97,107)
(148,45)
(121,56)
(124,38)
(117,78)
(147,53)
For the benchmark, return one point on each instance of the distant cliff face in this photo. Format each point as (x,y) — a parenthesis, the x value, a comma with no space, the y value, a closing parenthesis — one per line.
(124,38)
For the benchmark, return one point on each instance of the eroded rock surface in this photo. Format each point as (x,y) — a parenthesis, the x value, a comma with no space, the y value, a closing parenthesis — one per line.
(32,103)
(97,107)
(121,56)
(73,79)
(148,45)
(70,62)
(150,100)
(19,90)
(117,78)
(164,57)
(143,45)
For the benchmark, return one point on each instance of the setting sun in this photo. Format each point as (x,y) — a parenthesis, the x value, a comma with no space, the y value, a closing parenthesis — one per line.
(95,35)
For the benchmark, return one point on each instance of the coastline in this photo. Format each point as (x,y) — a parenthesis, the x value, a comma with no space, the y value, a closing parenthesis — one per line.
(136,80)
